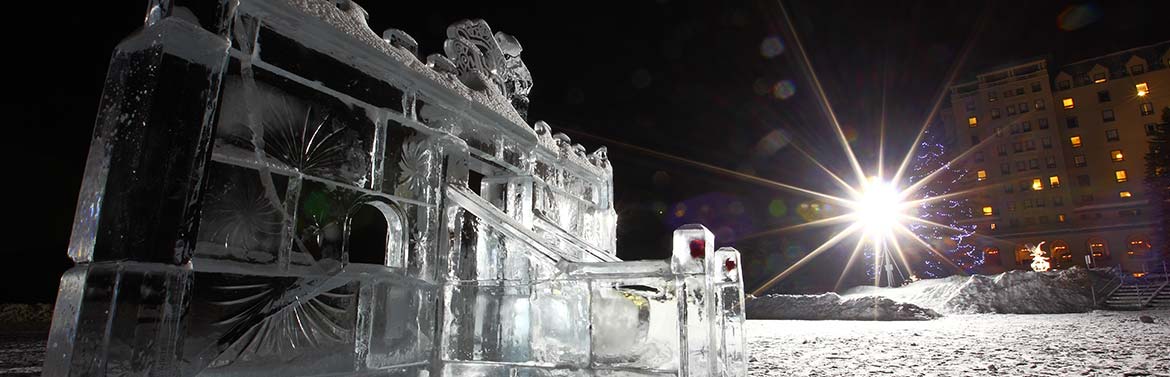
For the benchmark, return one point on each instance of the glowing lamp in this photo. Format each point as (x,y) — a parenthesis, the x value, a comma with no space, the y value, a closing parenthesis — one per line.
(878,208)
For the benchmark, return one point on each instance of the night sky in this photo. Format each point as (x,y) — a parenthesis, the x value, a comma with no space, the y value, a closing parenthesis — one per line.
(703,81)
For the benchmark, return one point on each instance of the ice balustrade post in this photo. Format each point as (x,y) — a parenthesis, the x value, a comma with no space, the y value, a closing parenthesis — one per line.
(693,244)
(711,317)
(730,350)
(120,310)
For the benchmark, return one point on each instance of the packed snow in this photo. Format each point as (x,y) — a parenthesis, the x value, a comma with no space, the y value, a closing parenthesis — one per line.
(834,307)
(1097,343)
(1019,292)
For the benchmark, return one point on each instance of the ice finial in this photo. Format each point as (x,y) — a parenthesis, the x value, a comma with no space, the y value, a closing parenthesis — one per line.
(600,158)
(441,64)
(563,140)
(477,56)
(517,81)
(579,151)
(483,59)
(542,128)
(353,10)
(400,39)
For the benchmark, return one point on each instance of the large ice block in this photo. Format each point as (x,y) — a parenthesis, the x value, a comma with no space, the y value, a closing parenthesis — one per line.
(274,189)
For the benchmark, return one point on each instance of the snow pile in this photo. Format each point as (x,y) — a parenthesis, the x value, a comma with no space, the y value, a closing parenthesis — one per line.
(1017,292)
(830,306)
(25,316)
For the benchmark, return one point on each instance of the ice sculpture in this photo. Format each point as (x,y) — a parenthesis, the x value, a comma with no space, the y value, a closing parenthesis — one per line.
(274,189)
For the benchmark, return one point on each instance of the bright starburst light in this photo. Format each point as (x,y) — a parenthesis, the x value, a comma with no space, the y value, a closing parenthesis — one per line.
(879,208)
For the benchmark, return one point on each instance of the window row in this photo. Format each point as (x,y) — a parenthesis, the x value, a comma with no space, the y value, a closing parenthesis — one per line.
(1021,165)
(1119,176)
(993,96)
(1115,155)
(1110,135)
(1097,78)
(1140,89)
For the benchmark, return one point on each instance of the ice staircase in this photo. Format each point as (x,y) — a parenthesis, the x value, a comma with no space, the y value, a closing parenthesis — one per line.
(1140,295)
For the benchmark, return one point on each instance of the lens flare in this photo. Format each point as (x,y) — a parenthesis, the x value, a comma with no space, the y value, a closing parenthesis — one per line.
(879,208)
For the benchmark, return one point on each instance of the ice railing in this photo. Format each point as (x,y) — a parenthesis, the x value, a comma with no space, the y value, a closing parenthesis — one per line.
(677,317)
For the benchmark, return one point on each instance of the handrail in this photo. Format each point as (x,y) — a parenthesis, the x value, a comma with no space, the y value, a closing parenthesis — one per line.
(1155,294)
(1098,299)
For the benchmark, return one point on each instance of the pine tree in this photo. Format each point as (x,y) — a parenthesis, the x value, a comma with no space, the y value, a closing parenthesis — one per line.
(954,243)
(1157,182)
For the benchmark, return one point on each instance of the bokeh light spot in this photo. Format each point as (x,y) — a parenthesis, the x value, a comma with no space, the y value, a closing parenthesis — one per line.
(735,208)
(761,87)
(784,89)
(659,208)
(777,208)
(680,210)
(850,134)
(641,79)
(771,47)
(1075,17)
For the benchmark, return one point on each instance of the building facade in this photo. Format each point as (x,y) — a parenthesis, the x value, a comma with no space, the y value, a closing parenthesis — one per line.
(1057,155)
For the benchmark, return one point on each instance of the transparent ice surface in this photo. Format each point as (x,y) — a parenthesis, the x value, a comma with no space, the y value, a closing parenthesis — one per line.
(273,189)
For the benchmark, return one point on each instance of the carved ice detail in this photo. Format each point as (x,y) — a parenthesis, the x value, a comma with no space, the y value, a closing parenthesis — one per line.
(600,158)
(482,59)
(400,39)
(517,80)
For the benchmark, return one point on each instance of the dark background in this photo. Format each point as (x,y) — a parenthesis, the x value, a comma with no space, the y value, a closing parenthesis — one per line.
(688,79)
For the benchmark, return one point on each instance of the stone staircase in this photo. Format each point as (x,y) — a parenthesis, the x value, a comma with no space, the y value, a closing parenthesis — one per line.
(1139,295)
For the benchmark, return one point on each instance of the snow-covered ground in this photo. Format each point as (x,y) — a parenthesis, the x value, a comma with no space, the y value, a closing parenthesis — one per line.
(1098,343)
(21,353)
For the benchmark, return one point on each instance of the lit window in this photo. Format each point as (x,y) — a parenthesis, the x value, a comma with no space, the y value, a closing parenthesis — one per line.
(1054,181)
(972,122)
(987,211)
(1125,194)
(1068,103)
(1142,89)
(1120,176)
(992,250)
(982,174)
(1060,218)
(1116,155)
(1075,141)
(1147,108)
(1039,104)
(1099,78)
(992,226)
(1037,185)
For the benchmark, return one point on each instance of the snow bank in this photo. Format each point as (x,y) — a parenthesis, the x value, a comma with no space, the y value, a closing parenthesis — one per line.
(830,306)
(1018,292)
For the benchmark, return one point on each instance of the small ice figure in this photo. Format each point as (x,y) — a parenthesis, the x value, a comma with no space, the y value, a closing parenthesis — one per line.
(274,189)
